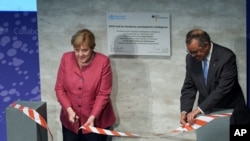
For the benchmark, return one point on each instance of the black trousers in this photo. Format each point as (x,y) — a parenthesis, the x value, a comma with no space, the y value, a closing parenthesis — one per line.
(240,115)
(71,136)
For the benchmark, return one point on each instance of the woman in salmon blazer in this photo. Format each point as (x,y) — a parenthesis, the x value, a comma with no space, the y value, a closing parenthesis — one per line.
(83,87)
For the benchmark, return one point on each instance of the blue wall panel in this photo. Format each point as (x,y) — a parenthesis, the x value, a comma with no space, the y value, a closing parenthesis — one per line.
(19,61)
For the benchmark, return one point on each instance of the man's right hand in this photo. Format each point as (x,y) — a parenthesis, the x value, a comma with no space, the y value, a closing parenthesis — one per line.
(183,119)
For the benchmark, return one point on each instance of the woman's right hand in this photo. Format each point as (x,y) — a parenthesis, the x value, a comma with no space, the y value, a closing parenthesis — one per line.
(73,118)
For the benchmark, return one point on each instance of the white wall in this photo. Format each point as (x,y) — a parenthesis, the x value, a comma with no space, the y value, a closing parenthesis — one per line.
(146,89)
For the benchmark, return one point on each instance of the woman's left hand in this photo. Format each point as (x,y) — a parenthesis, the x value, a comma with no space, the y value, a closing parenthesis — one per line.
(90,121)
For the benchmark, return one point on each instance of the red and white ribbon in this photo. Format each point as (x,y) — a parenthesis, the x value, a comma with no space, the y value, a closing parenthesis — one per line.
(107,132)
(199,122)
(35,116)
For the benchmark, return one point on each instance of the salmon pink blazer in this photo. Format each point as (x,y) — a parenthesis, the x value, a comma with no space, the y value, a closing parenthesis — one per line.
(87,90)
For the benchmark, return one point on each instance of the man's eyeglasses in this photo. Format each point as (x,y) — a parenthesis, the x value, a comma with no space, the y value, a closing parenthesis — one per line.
(194,53)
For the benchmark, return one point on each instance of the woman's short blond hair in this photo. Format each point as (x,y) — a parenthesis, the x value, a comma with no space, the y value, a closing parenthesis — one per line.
(83,36)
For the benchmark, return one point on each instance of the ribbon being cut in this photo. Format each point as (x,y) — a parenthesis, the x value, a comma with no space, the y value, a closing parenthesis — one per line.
(199,122)
(36,117)
(107,132)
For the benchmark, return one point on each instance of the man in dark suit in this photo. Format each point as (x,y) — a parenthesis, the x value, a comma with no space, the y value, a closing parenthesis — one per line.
(211,71)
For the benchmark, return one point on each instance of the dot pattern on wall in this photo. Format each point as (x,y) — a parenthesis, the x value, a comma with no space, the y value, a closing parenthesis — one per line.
(19,59)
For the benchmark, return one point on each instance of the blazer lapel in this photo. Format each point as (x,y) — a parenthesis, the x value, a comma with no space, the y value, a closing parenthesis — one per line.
(76,67)
(212,65)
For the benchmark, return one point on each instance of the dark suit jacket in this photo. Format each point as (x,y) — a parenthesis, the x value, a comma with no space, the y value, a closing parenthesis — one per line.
(222,90)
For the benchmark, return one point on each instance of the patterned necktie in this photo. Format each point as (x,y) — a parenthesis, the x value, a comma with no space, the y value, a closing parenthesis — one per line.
(205,70)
